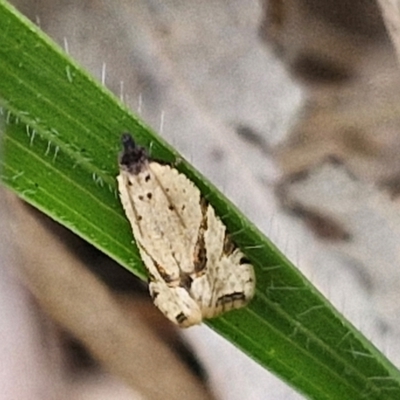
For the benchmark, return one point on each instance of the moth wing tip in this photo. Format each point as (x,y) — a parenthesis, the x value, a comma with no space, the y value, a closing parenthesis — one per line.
(195,318)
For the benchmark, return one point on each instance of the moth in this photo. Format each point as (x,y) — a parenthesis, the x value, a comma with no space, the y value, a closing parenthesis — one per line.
(195,270)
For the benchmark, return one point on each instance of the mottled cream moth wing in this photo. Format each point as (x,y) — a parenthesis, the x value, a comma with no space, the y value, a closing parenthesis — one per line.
(195,270)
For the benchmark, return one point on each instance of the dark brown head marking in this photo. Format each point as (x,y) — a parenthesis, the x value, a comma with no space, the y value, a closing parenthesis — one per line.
(133,157)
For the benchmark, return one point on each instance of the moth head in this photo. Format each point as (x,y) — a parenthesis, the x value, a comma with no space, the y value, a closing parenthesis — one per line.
(133,158)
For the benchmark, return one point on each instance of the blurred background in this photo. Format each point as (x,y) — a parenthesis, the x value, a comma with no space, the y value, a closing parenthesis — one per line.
(292,109)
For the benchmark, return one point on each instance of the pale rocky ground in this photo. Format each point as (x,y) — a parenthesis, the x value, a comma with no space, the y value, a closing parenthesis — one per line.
(200,73)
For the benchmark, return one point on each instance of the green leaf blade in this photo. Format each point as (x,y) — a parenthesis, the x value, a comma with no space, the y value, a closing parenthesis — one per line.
(65,163)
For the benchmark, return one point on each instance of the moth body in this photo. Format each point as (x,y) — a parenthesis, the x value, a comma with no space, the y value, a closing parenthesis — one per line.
(195,271)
